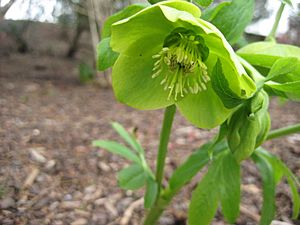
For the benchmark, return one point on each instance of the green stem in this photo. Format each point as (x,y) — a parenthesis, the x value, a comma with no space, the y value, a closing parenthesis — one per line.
(156,210)
(284,131)
(153,215)
(163,144)
(272,35)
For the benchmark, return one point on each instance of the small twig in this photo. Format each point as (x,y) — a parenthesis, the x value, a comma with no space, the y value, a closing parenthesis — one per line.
(128,212)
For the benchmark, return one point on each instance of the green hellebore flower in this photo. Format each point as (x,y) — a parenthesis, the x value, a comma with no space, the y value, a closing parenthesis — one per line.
(167,56)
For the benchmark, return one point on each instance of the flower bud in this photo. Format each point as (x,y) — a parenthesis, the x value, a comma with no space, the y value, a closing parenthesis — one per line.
(249,126)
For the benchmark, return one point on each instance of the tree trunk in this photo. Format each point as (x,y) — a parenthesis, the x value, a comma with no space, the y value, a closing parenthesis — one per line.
(74,44)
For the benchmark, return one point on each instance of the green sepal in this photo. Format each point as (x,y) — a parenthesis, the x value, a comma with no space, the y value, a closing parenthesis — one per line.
(106,57)
(126,12)
(134,86)
(211,114)
(221,87)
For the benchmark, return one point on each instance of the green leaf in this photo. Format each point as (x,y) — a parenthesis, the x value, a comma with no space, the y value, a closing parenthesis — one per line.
(204,3)
(128,137)
(280,170)
(210,13)
(132,177)
(290,87)
(230,188)
(283,66)
(233,18)
(154,1)
(127,12)
(267,173)
(265,54)
(192,165)
(151,192)
(290,90)
(222,182)
(274,162)
(221,87)
(106,57)
(294,185)
(117,148)
(205,197)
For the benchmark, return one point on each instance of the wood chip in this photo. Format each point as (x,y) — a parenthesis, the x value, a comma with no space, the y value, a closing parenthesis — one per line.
(31,177)
(250,214)
(128,212)
(70,204)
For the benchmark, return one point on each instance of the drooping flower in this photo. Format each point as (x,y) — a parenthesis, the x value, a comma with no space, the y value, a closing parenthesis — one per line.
(168,55)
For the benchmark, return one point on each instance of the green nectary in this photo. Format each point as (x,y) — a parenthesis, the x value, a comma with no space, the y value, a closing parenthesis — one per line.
(181,63)
(167,55)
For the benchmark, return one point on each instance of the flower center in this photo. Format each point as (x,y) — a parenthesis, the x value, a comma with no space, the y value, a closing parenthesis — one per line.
(181,63)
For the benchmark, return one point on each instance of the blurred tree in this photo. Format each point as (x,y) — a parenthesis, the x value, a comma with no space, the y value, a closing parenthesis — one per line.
(294,25)
(5,8)
(89,16)
(16,29)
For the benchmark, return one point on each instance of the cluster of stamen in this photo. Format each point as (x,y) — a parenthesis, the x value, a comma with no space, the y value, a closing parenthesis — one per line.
(182,67)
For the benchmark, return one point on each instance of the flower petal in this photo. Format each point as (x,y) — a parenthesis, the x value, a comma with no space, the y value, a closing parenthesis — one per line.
(133,83)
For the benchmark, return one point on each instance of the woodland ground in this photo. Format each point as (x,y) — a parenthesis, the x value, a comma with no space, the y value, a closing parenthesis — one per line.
(50,173)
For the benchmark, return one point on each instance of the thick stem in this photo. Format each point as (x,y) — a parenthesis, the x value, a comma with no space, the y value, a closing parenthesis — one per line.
(284,131)
(272,35)
(156,210)
(161,203)
(163,144)
(153,215)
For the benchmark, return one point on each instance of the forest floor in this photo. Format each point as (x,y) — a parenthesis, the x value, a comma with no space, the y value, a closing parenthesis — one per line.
(50,173)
